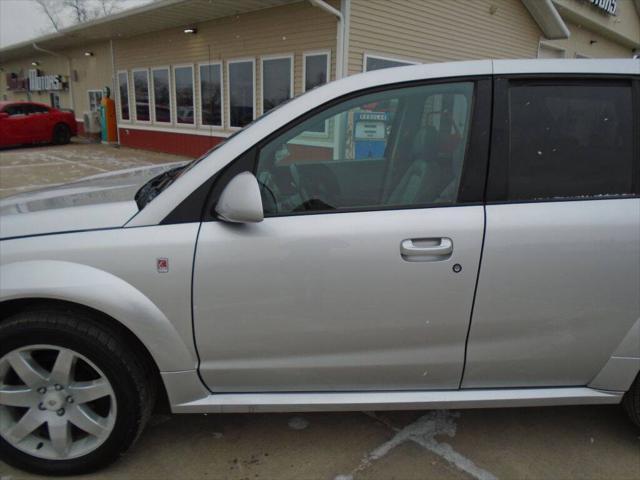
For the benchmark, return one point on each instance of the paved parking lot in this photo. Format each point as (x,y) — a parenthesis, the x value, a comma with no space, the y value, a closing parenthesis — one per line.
(534,443)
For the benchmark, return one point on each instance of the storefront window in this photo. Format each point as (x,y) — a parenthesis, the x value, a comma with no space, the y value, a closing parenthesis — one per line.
(123,90)
(161,95)
(211,94)
(277,82)
(183,79)
(241,83)
(141,94)
(316,70)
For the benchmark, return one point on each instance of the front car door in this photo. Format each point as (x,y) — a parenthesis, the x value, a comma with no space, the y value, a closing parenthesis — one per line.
(559,287)
(15,127)
(40,127)
(362,274)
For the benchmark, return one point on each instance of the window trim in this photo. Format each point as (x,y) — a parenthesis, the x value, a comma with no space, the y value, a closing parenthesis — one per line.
(154,121)
(198,208)
(228,103)
(496,177)
(174,96)
(222,95)
(93,90)
(119,106)
(135,110)
(314,53)
(264,58)
(389,58)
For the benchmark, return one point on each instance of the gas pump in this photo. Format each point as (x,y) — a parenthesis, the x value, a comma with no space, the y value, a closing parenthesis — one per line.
(370,134)
(108,123)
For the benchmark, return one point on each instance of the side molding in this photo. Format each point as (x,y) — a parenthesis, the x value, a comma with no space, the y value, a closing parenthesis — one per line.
(106,293)
(624,365)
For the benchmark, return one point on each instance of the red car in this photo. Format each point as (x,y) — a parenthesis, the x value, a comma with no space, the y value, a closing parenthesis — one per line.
(28,122)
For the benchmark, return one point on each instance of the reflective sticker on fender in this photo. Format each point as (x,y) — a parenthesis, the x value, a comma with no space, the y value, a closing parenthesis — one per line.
(162,265)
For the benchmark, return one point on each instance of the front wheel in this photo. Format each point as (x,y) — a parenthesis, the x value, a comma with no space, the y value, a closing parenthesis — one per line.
(72,395)
(631,402)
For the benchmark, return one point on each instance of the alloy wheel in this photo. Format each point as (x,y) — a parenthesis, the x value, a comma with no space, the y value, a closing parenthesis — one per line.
(55,403)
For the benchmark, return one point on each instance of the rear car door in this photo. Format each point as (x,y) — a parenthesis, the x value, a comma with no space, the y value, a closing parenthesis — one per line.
(362,274)
(559,286)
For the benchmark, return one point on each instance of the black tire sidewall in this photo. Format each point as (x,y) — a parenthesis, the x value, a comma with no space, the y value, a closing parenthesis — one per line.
(128,400)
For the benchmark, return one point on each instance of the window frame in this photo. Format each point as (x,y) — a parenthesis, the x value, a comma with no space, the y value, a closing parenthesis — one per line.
(119,106)
(388,58)
(167,68)
(497,176)
(222,95)
(135,109)
(228,102)
(314,53)
(94,90)
(266,58)
(174,96)
(473,176)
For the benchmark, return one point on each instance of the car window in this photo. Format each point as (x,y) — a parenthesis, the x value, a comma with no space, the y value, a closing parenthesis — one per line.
(14,110)
(31,109)
(401,147)
(570,140)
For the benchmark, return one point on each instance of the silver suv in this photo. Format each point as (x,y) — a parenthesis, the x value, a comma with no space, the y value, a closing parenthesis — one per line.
(436,236)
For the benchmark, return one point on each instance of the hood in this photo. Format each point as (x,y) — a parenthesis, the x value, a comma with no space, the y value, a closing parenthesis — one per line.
(100,201)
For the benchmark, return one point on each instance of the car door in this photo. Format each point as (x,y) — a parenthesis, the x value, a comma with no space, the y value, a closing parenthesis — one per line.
(15,126)
(559,287)
(40,128)
(362,274)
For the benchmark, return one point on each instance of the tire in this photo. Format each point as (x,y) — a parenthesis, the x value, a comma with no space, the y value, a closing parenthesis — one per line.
(61,134)
(101,351)
(631,402)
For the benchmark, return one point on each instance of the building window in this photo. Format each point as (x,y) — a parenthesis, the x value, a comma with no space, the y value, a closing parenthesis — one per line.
(375,62)
(95,97)
(161,95)
(315,70)
(277,81)
(241,81)
(54,100)
(141,95)
(185,102)
(123,91)
(211,94)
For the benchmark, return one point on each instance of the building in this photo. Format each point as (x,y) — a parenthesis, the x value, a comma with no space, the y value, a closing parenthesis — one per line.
(187,73)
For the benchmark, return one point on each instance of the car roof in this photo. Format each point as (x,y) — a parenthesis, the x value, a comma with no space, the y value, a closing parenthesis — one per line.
(4,103)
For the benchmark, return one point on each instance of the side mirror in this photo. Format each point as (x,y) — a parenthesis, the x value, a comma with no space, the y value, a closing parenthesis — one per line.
(240,201)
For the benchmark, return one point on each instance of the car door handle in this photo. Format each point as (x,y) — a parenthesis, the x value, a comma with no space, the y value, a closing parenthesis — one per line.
(426,249)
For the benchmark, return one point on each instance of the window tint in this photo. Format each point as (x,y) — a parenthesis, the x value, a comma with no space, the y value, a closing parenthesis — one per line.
(161,95)
(211,94)
(276,82)
(397,148)
(241,83)
(18,109)
(376,63)
(183,78)
(569,140)
(141,94)
(33,108)
(123,90)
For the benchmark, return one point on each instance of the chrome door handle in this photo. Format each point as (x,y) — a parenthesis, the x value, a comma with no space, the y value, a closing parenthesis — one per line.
(426,248)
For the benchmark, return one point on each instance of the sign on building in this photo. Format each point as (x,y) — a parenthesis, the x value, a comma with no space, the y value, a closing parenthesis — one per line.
(39,83)
(608,6)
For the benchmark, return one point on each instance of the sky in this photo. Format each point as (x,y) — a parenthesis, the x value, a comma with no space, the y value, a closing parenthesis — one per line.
(22,20)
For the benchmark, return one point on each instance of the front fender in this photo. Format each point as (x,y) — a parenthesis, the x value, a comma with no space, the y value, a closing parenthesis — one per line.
(105,292)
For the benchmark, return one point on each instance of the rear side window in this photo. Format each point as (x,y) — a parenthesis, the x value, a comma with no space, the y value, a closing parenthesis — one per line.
(568,140)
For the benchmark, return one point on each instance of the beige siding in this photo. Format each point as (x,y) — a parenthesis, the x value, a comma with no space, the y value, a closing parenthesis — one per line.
(292,29)
(436,30)
(91,73)
(586,43)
